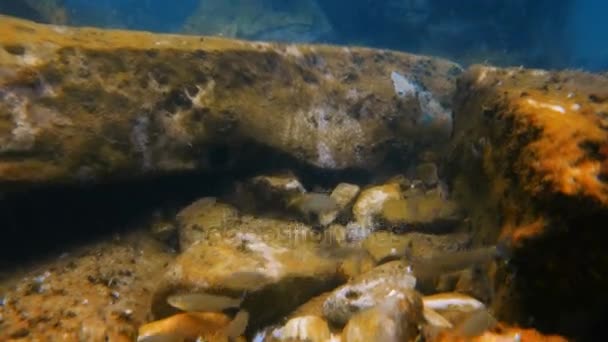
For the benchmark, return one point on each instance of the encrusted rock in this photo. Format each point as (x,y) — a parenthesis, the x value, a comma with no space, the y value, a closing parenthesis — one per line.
(393,319)
(270,192)
(209,326)
(304,328)
(343,195)
(91,104)
(427,210)
(98,293)
(371,201)
(383,245)
(529,163)
(368,290)
(204,218)
(267,260)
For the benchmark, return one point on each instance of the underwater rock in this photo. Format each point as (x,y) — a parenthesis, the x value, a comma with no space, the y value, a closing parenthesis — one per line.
(312,205)
(300,21)
(260,260)
(368,290)
(304,328)
(344,194)
(385,245)
(393,319)
(529,163)
(188,326)
(203,218)
(426,211)
(96,293)
(370,202)
(269,193)
(86,105)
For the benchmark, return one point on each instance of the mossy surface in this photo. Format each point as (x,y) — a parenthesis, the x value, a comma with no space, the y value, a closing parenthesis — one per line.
(528,161)
(90,104)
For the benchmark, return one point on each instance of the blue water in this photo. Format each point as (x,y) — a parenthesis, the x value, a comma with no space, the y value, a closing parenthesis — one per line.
(150,15)
(533,33)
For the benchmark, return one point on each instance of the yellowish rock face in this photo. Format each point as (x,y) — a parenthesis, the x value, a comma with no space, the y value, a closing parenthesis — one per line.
(371,200)
(530,164)
(88,104)
(187,326)
(266,260)
(99,292)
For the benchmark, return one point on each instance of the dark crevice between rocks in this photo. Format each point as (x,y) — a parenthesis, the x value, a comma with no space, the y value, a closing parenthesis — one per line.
(561,279)
(47,220)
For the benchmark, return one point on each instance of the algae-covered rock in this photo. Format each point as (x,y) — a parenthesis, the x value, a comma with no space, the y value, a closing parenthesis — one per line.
(304,328)
(264,260)
(89,104)
(395,318)
(370,202)
(343,195)
(529,163)
(98,292)
(384,245)
(426,209)
(204,218)
(368,290)
(269,193)
(207,326)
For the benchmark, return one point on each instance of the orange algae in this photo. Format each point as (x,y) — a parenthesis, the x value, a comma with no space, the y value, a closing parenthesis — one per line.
(559,157)
(518,233)
(503,333)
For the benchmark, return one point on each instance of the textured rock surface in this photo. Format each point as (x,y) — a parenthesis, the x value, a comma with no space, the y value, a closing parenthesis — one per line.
(274,261)
(371,200)
(385,244)
(204,218)
(530,161)
(89,104)
(368,290)
(187,326)
(304,328)
(99,293)
(393,319)
(343,195)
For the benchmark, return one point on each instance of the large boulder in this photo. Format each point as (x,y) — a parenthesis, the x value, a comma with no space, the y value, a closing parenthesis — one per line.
(530,164)
(89,104)
(261,260)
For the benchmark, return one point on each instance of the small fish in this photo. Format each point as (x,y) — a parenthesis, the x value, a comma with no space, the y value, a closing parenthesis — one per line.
(476,324)
(313,203)
(451,262)
(237,326)
(202,302)
(452,300)
(250,280)
(433,318)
